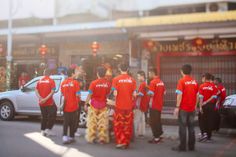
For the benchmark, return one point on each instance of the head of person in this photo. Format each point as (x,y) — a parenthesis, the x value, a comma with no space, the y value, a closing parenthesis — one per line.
(218,81)
(141,76)
(152,73)
(208,77)
(186,69)
(203,78)
(71,73)
(124,68)
(47,72)
(101,72)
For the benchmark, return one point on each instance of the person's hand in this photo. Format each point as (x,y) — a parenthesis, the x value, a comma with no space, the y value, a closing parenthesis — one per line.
(176,112)
(201,111)
(41,101)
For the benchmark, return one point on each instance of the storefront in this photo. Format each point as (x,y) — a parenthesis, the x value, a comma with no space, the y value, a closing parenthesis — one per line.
(216,56)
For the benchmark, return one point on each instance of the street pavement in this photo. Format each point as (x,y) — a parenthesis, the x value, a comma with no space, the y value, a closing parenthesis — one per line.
(21,138)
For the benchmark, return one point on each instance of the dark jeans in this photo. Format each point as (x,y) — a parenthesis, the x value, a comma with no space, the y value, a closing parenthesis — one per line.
(208,119)
(200,122)
(70,122)
(78,117)
(49,114)
(155,123)
(186,120)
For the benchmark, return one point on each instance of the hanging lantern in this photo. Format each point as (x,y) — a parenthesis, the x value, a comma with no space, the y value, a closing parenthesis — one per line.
(198,41)
(95,46)
(43,50)
(149,45)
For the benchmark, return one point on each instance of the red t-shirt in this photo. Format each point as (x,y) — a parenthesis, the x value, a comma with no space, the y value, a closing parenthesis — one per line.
(188,87)
(70,90)
(125,86)
(222,94)
(44,87)
(207,90)
(157,89)
(23,80)
(143,89)
(99,89)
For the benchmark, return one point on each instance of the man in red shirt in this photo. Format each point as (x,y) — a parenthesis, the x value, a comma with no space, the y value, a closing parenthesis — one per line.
(97,120)
(156,91)
(207,100)
(220,99)
(186,91)
(141,105)
(45,89)
(71,91)
(124,87)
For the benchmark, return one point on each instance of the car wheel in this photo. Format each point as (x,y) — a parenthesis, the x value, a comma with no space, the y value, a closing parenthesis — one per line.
(6,111)
(83,119)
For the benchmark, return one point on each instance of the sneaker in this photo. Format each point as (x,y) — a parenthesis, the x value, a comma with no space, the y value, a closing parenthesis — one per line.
(65,140)
(121,146)
(77,133)
(155,140)
(49,132)
(43,133)
(203,138)
(71,139)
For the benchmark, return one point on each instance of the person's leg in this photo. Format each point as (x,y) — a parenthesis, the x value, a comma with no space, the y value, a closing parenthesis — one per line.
(103,124)
(128,128)
(91,125)
(182,129)
(65,123)
(159,130)
(43,118)
(143,123)
(210,120)
(200,122)
(153,123)
(73,121)
(118,125)
(52,113)
(191,132)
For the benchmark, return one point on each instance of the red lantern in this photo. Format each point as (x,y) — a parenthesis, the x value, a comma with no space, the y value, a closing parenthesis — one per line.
(198,41)
(43,50)
(95,46)
(149,45)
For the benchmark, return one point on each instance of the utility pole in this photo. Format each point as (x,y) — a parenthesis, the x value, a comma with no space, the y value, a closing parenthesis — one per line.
(9,48)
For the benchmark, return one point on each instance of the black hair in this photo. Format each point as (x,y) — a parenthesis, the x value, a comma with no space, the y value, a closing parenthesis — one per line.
(208,76)
(218,80)
(142,73)
(186,69)
(124,67)
(212,77)
(70,72)
(101,71)
(154,70)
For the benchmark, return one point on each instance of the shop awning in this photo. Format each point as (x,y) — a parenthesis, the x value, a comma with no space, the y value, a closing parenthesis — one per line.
(177,19)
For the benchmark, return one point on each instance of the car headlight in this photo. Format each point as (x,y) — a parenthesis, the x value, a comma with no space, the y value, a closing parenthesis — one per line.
(228,102)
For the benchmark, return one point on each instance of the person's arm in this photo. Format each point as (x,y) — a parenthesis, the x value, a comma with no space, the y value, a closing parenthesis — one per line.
(43,100)
(37,94)
(178,101)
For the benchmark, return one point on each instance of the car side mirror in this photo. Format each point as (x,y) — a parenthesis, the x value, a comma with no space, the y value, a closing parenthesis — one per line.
(23,89)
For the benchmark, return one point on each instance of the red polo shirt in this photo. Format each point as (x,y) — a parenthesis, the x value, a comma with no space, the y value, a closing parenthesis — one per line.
(70,89)
(207,90)
(44,87)
(188,87)
(143,89)
(125,86)
(157,89)
(99,89)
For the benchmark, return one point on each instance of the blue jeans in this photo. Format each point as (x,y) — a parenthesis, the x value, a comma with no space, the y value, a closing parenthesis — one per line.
(186,120)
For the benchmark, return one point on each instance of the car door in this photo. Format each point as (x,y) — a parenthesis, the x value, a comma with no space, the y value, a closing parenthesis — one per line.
(26,99)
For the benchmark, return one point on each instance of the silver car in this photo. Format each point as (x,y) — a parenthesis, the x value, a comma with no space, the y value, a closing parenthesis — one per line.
(228,112)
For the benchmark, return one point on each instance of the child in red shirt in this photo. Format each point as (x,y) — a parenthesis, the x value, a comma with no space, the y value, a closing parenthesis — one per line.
(71,91)
(97,120)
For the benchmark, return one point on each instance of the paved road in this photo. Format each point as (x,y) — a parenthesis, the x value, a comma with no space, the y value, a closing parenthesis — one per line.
(21,138)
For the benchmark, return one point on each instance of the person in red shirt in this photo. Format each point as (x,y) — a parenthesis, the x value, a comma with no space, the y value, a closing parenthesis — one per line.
(141,105)
(97,120)
(124,90)
(220,99)
(207,100)
(186,91)
(70,89)
(45,89)
(23,79)
(156,91)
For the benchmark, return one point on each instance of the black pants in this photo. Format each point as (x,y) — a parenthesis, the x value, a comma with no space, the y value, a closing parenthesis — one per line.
(208,119)
(78,117)
(200,122)
(155,123)
(70,122)
(186,121)
(49,114)
(217,120)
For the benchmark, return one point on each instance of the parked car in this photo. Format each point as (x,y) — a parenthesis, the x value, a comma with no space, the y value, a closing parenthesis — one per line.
(228,112)
(25,102)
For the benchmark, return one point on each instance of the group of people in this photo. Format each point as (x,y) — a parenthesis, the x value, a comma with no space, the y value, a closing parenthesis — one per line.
(131,103)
